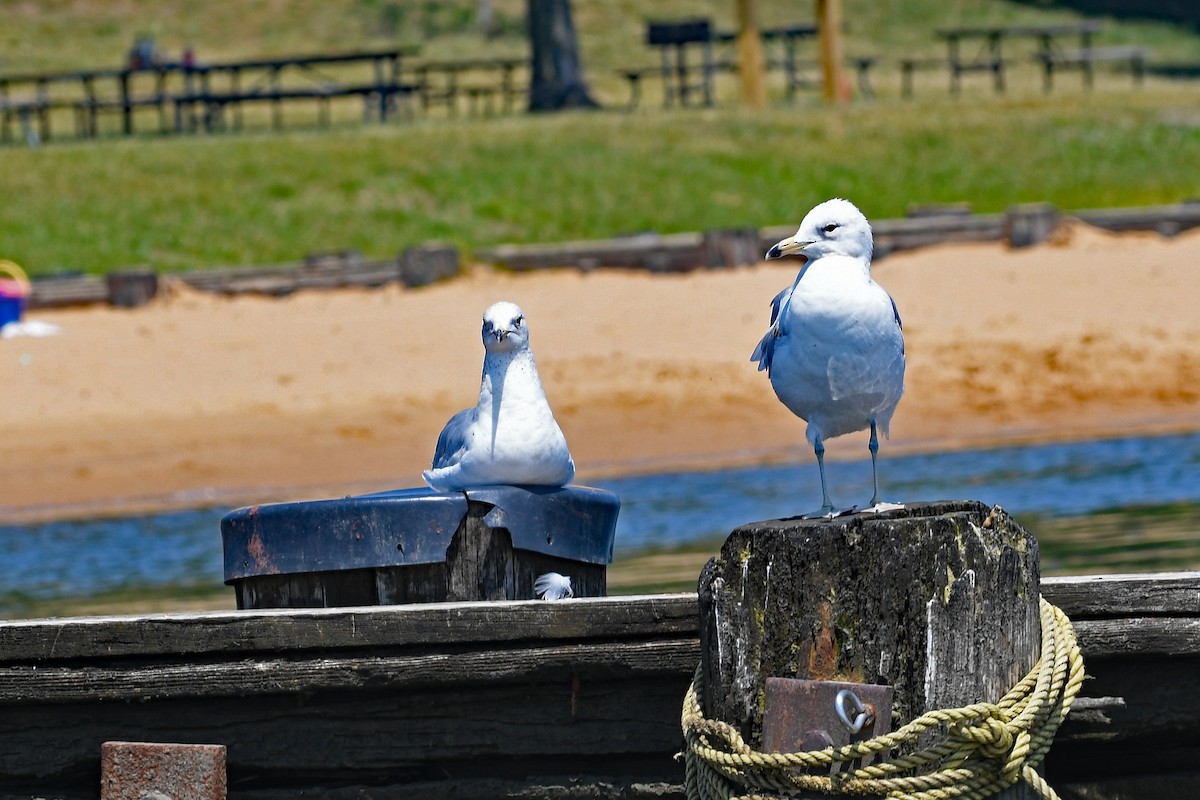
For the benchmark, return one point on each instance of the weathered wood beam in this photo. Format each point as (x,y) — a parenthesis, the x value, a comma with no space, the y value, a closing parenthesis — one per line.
(286,630)
(245,677)
(1130,595)
(471,700)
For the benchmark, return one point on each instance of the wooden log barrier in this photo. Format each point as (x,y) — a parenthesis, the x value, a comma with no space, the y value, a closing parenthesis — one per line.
(419,546)
(130,288)
(938,601)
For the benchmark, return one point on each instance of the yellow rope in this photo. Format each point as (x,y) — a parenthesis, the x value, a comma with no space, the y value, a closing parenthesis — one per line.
(986,747)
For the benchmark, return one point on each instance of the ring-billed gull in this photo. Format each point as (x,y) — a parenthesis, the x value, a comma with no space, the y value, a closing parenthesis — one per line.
(510,436)
(835,348)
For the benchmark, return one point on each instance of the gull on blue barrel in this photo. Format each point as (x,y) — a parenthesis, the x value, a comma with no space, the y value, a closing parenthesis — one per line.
(835,348)
(510,437)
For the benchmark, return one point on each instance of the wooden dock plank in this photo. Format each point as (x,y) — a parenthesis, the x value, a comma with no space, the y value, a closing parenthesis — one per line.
(557,700)
(242,677)
(1130,595)
(42,641)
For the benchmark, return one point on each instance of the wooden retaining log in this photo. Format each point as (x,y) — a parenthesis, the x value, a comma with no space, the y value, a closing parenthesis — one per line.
(479,700)
(1166,220)
(651,251)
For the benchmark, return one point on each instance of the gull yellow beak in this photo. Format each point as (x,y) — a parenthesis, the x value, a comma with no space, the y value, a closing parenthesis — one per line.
(787,247)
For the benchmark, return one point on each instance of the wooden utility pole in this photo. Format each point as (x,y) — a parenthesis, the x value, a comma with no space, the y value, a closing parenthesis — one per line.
(750,55)
(829,26)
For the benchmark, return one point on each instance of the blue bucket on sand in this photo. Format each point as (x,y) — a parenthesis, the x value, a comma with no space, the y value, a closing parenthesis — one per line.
(14,291)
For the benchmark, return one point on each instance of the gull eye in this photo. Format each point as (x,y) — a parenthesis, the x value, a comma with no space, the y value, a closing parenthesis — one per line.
(831,227)
(517,322)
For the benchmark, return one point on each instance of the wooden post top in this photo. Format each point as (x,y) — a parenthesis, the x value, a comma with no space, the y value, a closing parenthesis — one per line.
(938,600)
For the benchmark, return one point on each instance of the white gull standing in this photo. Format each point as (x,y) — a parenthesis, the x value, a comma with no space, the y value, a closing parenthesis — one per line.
(510,436)
(835,348)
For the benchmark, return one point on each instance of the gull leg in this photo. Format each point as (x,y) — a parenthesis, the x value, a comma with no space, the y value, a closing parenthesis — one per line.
(826,509)
(877,505)
(874,448)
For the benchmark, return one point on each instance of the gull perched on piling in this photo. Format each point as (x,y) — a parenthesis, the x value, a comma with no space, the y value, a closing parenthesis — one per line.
(510,436)
(835,348)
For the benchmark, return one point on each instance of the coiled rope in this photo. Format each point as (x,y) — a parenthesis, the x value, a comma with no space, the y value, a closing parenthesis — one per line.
(985,747)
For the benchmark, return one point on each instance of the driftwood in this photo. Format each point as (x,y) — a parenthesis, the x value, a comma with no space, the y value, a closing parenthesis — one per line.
(480,700)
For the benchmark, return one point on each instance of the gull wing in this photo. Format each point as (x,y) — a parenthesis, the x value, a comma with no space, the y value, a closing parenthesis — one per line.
(453,439)
(764,352)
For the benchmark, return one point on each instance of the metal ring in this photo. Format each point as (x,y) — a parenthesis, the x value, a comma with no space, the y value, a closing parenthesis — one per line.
(859,710)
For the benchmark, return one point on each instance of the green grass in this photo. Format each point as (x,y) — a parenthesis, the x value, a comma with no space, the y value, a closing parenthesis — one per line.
(252,198)
(259,197)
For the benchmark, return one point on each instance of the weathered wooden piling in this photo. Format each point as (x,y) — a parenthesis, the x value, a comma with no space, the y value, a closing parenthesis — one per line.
(938,600)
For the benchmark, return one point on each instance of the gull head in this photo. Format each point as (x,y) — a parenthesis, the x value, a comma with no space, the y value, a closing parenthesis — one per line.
(504,328)
(835,227)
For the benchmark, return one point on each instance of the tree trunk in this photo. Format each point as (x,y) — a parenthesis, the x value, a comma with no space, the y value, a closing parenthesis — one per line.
(556,72)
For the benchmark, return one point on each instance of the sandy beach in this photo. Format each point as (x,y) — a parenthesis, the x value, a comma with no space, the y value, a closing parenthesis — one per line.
(198,399)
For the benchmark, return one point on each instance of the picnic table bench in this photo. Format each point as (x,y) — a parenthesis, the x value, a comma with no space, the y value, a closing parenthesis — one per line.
(29,99)
(191,91)
(789,36)
(989,56)
(481,80)
(1086,58)
(378,95)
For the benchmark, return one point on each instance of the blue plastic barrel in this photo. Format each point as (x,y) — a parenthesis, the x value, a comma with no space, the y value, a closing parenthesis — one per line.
(14,291)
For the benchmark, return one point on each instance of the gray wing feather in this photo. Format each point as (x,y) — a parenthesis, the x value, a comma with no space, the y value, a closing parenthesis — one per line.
(899,324)
(764,353)
(453,439)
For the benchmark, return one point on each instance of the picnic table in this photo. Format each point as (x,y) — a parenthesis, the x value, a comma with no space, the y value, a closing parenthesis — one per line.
(480,79)
(266,83)
(990,39)
(790,37)
(687,76)
(197,94)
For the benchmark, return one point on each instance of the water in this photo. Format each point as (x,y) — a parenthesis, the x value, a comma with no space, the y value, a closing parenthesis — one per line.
(1052,480)
(183,548)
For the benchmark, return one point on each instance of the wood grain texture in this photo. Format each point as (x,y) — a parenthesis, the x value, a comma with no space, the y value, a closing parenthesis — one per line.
(1175,594)
(575,699)
(292,631)
(938,601)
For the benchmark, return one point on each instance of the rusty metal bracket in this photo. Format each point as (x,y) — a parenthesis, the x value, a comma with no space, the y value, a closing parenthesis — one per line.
(812,715)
